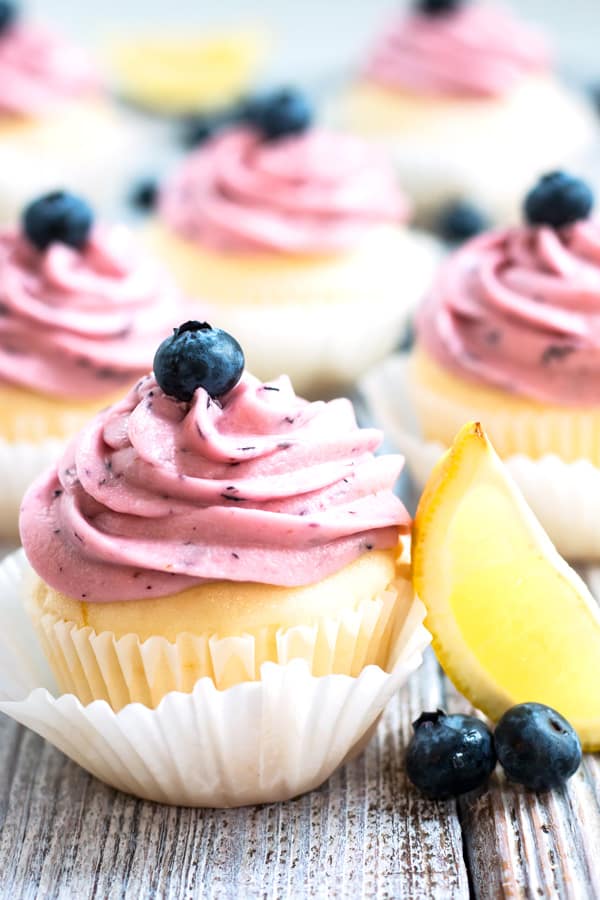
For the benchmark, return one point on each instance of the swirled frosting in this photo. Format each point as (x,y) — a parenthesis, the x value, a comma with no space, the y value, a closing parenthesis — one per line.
(157,495)
(476,50)
(81,323)
(40,71)
(316,192)
(520,310)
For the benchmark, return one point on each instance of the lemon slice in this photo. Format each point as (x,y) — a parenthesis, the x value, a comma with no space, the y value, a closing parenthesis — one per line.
(179,73)
(511,621)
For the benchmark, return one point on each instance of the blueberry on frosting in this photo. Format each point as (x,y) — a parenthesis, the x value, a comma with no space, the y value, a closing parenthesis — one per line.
(197,355)
(460,221)
(438,7)
(558,199)
(58,217)
(281,113)
(8,14)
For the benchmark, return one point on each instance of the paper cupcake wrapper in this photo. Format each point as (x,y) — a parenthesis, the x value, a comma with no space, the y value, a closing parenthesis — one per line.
(20,463)
(565,496)
(257,742)
(99,666)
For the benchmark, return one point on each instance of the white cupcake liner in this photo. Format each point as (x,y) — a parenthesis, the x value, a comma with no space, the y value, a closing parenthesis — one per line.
(565,496)
(257,742)
(20,463)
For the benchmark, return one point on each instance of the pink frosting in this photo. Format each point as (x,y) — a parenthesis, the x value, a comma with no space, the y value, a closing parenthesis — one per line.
(520,310)
(40,71)
(316,192)
(476,50)
(156,495)
(81,323)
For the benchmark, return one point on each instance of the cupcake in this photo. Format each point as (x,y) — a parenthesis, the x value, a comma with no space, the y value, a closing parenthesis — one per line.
(81,310)
(295,235)
(509,336)
(56,125)
(208,524)
(465,95)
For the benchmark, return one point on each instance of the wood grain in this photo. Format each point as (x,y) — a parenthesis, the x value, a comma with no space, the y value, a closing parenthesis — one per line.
(366,833)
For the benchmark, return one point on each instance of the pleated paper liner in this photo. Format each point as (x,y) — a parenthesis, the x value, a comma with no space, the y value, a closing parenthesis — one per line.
(565,496)
(126,669)
(257,742)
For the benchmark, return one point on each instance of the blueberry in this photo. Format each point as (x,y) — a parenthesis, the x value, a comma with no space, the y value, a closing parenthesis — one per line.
(536,746)
(144,194)
(58,217)
(438,7)
(460,221)
(8,14)
(197,355)
(283,112)
(196,130)
(558,199)
(449,755)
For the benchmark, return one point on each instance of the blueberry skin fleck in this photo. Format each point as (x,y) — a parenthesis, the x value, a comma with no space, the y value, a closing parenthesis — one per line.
(558,199)
(197,355)
(8,14)
(58,217)
(536,746)
(279,114)
(449,755)
(460,221)
(438,7)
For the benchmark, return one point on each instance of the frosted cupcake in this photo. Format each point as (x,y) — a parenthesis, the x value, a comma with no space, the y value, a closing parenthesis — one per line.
(56,125)
(296,236)
(81,311)
(209,523)
(466,96)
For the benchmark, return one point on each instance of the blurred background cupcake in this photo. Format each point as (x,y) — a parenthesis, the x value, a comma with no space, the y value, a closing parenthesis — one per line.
(81,310)
(466,95)
(209,523)
(57,125)
(297,236)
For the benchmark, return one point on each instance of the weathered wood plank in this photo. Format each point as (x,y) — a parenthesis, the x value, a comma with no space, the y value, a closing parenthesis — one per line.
(366,833)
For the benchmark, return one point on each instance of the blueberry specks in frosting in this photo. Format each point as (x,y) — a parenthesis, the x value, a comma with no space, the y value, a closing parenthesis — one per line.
(536,290)
(285,520)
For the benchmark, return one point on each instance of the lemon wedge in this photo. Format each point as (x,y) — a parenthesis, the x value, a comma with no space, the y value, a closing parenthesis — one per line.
(178,73)
(511,621)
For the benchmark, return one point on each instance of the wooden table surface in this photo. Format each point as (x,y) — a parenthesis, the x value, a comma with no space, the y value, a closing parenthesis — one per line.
(366,833)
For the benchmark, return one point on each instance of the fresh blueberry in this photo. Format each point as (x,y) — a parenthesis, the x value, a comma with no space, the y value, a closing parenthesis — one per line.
(438,7)
(58,217)
(144,194)
(536,746)
(196,130)
(460,221)
(197,355)
(8,14)
(449,755)
(283,112)
(558,199)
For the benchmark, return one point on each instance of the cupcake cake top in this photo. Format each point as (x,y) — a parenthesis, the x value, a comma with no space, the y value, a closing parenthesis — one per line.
(81,309)
(160,493)
(276,183)
(451,48)
(39,70)
(519,309)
